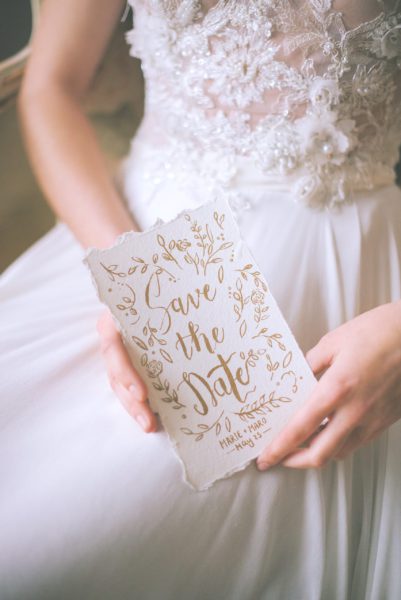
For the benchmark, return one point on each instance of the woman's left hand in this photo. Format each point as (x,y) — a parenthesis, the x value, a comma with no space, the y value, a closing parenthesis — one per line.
(359,392)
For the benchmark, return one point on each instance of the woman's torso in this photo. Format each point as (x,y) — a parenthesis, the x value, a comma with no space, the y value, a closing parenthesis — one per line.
(307,91)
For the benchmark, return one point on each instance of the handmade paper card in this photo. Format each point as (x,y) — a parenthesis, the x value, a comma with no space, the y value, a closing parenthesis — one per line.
(223,369)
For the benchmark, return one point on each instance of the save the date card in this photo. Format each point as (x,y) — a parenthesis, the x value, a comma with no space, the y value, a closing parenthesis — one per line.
(222,368)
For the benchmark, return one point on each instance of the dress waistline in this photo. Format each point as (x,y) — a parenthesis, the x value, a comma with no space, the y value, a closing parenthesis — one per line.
(241,175)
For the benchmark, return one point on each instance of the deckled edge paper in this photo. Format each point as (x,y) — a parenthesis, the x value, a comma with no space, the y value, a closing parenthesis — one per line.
(173,260)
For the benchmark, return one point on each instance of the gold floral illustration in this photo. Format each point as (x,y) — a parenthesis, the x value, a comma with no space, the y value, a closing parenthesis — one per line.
(127,304)
(143,267)
(154,370)
(113,272)
(255,297)
(210,246)
(204,246)
(271,338)
(203,428)
(262,406)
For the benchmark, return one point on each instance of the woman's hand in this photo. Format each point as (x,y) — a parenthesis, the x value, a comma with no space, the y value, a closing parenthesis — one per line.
(124,379)
(359,392)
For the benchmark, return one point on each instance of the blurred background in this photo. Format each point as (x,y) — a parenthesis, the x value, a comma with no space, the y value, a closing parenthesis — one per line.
(114,105)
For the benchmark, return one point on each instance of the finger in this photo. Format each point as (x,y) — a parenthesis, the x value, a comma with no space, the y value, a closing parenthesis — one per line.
(322,426)
(307,442)
(118,362)
(128,386)
(323,446)
(321,355)
(139,410)
(359,438)
(124,379)
(324,400)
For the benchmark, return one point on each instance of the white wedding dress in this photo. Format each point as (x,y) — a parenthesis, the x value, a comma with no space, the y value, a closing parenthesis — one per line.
(292,110)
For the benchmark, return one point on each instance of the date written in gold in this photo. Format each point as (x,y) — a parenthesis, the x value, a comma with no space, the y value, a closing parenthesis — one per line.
(246,437)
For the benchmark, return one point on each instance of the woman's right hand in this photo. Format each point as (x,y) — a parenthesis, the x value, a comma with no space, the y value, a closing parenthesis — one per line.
(124,379)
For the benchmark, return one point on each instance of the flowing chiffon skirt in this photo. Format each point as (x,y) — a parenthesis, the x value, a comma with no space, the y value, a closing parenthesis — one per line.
(92,507)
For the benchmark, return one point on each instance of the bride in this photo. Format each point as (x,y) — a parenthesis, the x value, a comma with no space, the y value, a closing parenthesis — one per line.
(292,110)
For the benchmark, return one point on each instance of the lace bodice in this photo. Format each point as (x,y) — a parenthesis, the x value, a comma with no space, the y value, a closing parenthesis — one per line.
(310,88)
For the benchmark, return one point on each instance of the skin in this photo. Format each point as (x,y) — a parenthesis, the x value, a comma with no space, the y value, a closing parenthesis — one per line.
(62,146)
(359,363)
(359,392)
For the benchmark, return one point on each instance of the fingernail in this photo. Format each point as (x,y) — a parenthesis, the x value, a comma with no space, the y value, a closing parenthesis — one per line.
(143,421)
(132,388)
(262,465)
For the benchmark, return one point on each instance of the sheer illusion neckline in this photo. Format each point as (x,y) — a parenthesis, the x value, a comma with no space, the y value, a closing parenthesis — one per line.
(221,7)
(288,84)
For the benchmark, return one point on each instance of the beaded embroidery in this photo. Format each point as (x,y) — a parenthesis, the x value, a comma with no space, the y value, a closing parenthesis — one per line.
(282,82)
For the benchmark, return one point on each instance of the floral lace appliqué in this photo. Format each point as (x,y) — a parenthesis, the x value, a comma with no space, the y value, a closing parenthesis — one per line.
(282,82)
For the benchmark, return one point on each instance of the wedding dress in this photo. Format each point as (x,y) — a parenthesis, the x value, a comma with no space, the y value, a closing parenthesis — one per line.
(292,110)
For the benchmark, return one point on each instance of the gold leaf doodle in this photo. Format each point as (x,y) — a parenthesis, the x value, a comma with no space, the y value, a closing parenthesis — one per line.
(262,406)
